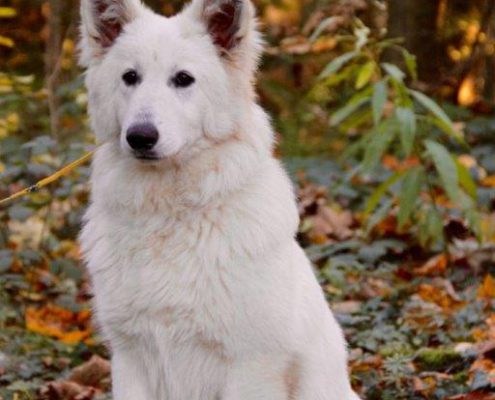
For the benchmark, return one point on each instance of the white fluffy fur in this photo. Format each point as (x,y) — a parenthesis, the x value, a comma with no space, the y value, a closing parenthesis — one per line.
(200,288)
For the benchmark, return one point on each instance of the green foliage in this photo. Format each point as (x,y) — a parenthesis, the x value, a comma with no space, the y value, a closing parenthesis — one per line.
(389,118)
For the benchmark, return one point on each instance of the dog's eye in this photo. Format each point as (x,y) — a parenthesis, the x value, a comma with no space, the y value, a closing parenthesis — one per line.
(131,78)
(183,79)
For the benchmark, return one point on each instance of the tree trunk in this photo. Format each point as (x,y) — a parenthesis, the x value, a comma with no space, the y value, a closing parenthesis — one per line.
(52,63)
(416,21)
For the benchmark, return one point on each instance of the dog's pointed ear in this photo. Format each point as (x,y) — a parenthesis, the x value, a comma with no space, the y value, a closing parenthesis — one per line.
(228,22)
(102,22)
(223,19)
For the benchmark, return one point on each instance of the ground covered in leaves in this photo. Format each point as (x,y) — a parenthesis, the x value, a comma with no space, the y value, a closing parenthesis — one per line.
(420,324)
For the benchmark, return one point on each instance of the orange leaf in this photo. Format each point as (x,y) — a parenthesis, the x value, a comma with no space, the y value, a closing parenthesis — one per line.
(489,181)
(59,323)
(439,296)
(387,226)
(487,288)
(395,164)
(433,266)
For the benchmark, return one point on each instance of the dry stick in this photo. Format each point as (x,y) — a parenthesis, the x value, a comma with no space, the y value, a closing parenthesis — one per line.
(52,178)
(431,191)
(55,51)
(48,214)
(55,45)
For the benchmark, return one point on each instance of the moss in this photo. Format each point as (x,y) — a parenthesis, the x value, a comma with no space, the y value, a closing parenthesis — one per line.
(461,377)
(441,359)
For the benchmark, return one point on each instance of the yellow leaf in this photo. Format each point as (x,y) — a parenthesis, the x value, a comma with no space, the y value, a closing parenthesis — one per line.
(13,120)
(7,12)
(6,42)
(24,80)
(365,74)
(5,84)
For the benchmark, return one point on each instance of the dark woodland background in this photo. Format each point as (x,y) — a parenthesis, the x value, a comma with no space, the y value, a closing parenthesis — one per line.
(385,112)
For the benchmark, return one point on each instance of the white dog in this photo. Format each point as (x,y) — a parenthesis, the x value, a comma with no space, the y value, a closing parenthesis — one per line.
(200,287)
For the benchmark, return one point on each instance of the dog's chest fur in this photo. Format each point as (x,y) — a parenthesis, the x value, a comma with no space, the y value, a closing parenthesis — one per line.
(194,286)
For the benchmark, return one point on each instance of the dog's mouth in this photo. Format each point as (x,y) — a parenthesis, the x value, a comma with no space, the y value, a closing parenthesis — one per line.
(146,157)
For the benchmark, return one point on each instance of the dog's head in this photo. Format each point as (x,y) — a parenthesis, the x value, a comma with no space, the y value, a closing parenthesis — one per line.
(157,85)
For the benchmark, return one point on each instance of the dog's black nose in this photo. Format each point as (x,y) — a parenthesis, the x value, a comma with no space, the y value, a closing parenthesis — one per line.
(142,137)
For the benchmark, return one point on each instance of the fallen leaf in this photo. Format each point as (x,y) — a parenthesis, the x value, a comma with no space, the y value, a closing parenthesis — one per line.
(65,390)
(84,383)
(434,266)
(489,181)
(487,288)
(92,373)
(387,226)
(439,296)
(394,164)
(59,323)
(329,223)
(310,197)
(347,307)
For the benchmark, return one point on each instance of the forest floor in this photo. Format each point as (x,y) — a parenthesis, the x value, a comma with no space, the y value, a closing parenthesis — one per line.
(420,324)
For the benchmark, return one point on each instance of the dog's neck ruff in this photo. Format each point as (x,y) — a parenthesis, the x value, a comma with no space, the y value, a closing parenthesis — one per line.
(174,187)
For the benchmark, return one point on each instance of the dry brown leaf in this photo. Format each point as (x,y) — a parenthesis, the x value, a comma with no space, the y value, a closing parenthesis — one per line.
(310,197)
(347,307)
(329,223)
(65,390)
(93,373)
(85,381)
(368,363)
(434,266)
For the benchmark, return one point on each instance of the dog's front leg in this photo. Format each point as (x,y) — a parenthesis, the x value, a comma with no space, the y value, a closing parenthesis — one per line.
(128,377)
